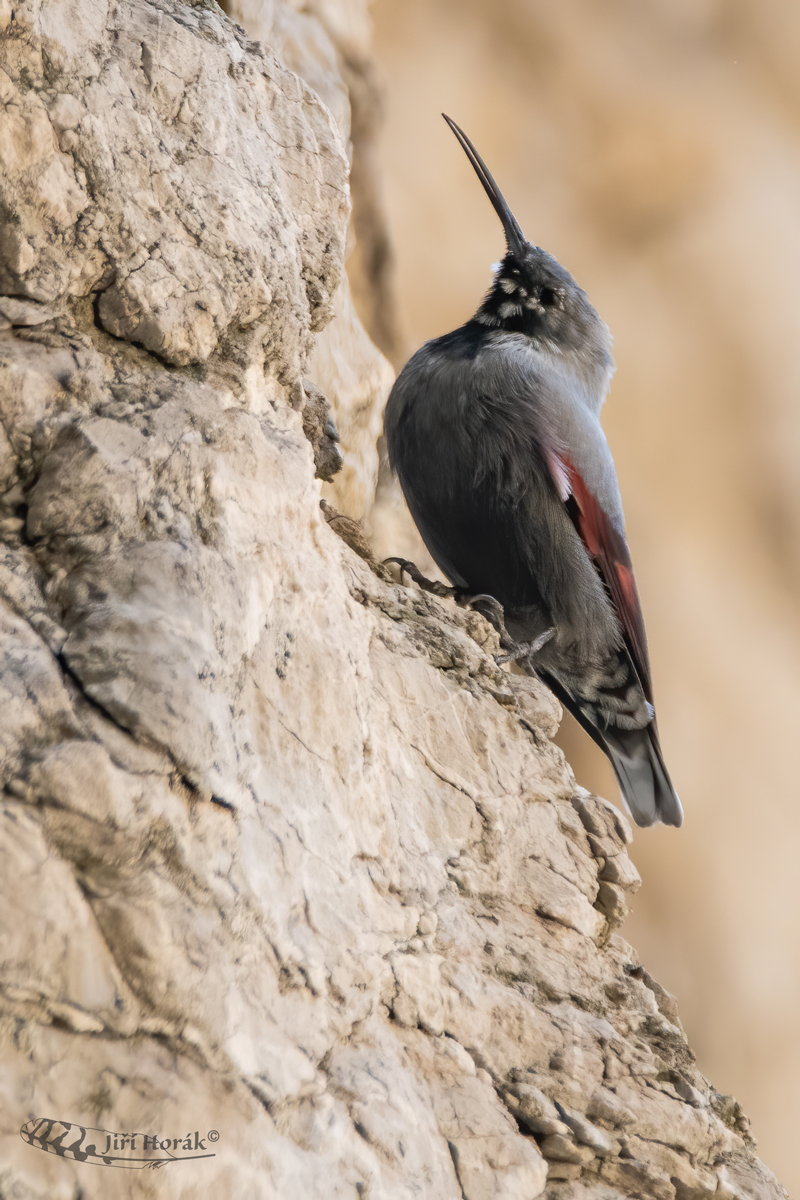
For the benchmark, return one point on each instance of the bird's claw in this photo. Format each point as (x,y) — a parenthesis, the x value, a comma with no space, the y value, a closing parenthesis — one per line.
(526,650)
(428,585)
(491,609)
(483,603)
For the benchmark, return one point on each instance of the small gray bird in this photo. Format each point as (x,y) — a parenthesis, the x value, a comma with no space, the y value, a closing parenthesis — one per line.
(494,432)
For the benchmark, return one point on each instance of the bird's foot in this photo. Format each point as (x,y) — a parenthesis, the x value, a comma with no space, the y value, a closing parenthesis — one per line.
(489,608)
(492,610)
(428,585)
(526,650)
(483,603)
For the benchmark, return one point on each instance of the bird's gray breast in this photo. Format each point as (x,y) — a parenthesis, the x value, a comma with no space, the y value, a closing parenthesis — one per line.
(565,394)
(464,404)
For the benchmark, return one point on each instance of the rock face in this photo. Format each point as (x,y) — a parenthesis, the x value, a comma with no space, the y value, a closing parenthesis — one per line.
(293,876)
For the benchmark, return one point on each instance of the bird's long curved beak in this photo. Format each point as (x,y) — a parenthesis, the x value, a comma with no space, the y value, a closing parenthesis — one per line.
(515,239)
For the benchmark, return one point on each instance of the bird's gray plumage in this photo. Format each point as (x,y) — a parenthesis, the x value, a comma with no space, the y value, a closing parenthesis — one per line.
(495,435)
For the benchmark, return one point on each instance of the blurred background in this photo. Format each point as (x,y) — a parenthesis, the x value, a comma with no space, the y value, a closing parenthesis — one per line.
(653,146)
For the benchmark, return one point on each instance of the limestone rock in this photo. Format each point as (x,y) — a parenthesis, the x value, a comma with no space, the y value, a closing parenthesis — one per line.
(178,250)
(293,876)
(318,43)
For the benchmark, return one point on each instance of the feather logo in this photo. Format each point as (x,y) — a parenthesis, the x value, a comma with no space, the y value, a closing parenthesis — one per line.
(104,1147)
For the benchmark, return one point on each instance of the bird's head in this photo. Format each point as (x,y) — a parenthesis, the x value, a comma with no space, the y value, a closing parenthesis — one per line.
(532,293)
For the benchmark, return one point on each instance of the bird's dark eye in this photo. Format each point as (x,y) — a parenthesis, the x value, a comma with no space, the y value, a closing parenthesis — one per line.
(548,297)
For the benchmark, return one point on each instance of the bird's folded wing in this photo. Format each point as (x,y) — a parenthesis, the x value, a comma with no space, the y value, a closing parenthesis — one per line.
(607,548)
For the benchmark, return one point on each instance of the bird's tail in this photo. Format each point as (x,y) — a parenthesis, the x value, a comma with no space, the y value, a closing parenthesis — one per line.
(635,755)
(643,779)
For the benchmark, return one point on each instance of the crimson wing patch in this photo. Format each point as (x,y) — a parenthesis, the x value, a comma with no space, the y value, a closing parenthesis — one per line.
(608,551)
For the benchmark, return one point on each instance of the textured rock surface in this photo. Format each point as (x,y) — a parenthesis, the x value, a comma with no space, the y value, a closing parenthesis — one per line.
(286,855)
(318,42)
